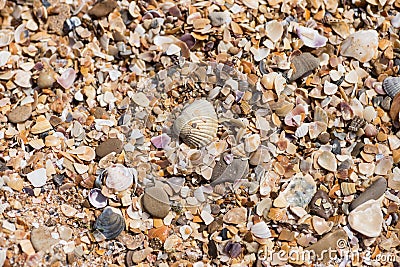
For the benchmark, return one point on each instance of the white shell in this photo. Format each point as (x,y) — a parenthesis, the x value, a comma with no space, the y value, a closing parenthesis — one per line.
(361,45)
(367,218)
(120,178)
(261,230)
(197,124)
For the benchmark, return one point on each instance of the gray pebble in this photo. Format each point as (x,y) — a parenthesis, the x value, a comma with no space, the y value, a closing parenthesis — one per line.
(156,202)
(375,191)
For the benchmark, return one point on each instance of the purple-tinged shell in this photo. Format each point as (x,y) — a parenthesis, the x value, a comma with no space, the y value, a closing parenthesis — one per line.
(161,141)
(97,199)
(311,37)
(67,78)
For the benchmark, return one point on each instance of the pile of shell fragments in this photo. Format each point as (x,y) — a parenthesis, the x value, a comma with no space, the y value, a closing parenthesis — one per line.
(199,133)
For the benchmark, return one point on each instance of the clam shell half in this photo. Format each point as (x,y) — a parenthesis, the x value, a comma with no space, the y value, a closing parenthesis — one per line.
(110,223)
(391,85)
(197,125)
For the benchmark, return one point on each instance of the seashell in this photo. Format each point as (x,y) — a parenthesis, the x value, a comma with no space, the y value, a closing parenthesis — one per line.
(185,231)
(327,161)
(21,34)
(110,223)
(361,45)
(395,108)
(197,124)
(303,65)
(348,188)
(36,143)
(52,140)
(321,226)
(4,56)
(97,199)
(367,218)
(302,130)
(189,40)
(67,78)
(84,153)
(394,179)
(259,53)
(384,165)
(133,258)
(278,214)
(160,233)
(320,115)
(391,85)
(161,141)
(6,37)
(119,177)
(356,124)
(316,128)
(274,30)
(330,88)
(23,78)
(311,37)
(42,125)
(261,230)
(252,142)
(236,216)
(296,116)
(370,113)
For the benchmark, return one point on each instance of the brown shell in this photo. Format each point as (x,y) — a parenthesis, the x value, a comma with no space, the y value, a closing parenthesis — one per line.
(395,108)
(303,65)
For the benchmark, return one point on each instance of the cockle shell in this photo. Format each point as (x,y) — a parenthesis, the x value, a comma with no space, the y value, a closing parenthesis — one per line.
(119,177)
(97,199)
(197,124)
(391,85)
(110,223)
(367,218)
(303,65)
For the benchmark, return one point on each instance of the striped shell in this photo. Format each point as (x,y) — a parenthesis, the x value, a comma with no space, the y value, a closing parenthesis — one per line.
(348,188)
(303,65)
(391,85)
(197,124)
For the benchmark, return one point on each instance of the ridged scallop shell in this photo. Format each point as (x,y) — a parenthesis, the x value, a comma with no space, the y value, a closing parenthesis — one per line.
(391,85)
(348,188)
(110,223)
(303,65)
(197,124)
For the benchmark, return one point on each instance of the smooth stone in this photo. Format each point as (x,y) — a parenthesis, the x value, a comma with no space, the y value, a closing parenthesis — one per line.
(223,172)
(374,191)
(41,239)
(108,146)
(367,218)
(20,114)
(328,242)
(102,8)
(100,113)
(321,205)
(156,202)
(45,79)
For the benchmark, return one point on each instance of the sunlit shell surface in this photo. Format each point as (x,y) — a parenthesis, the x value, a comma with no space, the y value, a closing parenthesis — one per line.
(361,45)
(391,85)
(303,65)
(110,223)
(197,124)
(119,178)
(367,218)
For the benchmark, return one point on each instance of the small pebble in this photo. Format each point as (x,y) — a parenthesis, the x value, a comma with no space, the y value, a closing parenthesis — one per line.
(42,239)
(20,114)
(108,146)
(374,191)
(156,202)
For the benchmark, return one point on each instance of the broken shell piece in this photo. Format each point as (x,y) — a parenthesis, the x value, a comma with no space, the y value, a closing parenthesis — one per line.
(6,36)
(161,141)
(327,161)
(21,34)
(185,231)
(291,197)
(391,85)
(97,199)
(67,78)
(4,56)
(361,45)
(85,153)
(367,218)
(348,188)
(110,223)
(303,65)
(311,37)
(119,177)
(330,88)
(274,30)
(320,225)
(42,125)
(261,230)
(197,124)
(38,177)
(252,142)
(236,216)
